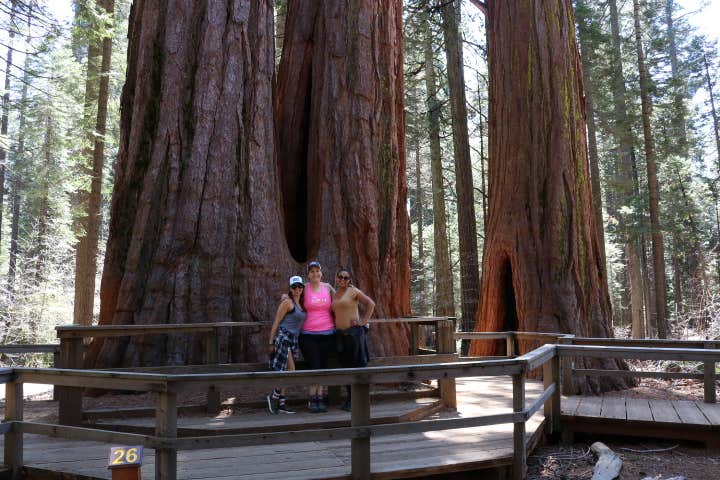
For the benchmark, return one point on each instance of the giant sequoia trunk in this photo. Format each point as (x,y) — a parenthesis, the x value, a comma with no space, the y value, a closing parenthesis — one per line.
(195,232)
(543,268)
(341,148)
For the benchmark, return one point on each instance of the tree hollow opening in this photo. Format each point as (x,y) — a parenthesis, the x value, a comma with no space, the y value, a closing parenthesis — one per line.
(300,179)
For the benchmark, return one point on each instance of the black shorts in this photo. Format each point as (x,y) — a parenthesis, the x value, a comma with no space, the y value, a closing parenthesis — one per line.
(316,349)
(352,347)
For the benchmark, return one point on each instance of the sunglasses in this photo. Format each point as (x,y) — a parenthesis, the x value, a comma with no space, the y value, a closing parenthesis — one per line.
(343,277)
(297,286)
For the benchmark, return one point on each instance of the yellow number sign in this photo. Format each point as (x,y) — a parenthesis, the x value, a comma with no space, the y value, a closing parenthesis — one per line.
(122,456)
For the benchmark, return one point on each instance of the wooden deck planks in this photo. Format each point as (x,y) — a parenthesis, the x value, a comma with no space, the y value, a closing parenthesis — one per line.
(613,408)
(711,412)
(689,413)
(638,409)
(392,456)
(664,412)
(589,407)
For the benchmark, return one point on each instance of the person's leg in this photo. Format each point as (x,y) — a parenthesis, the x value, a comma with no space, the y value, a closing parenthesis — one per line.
(310,348)
(282,404)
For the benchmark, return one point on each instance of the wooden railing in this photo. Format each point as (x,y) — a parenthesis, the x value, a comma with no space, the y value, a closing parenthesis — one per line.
(166,388)
(73,337)
(552,358)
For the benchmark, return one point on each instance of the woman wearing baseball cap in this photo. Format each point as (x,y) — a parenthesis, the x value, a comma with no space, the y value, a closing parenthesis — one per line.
(283,342)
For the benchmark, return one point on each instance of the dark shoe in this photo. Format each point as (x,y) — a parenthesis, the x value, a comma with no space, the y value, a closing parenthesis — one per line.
(272,404)
(283,408)
(313,405)
(346,406)
(321,406)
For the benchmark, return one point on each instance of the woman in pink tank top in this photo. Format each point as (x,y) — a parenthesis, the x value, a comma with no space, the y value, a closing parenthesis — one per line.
(317,337)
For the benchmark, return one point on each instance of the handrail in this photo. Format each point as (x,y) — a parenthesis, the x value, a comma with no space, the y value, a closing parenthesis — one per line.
(30,348)
(166,443)
(166,386)
(641,353)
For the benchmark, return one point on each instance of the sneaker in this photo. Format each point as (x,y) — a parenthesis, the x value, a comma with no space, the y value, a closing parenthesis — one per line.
(283,408)
(272,404)
(313,405)
(346,406)
(321,406)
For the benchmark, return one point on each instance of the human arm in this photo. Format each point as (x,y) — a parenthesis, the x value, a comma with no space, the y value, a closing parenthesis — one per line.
(369,307)
(284,307)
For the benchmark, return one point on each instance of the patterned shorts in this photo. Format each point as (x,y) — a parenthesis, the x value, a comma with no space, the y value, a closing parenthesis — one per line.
(285,344)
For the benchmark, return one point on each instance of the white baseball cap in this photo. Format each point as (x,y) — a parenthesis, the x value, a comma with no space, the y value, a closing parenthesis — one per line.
(295,279)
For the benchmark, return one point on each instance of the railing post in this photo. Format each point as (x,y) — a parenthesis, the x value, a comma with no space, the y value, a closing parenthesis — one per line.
(444,332)
(414,338)
(14,438)
(360,417)
(56,364)
(212,342)
(709,376)
(510,345)
(551,374)
(166,426)
(519,453)
(566,366)
(70,398)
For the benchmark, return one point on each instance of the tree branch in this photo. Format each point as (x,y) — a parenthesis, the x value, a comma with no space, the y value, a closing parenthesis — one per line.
(482,5)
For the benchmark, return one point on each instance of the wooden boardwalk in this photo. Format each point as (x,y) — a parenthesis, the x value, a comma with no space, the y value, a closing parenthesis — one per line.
(393,456)
(677,419)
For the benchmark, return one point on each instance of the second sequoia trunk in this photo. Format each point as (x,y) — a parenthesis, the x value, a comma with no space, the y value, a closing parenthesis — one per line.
(341,149)
(543,268)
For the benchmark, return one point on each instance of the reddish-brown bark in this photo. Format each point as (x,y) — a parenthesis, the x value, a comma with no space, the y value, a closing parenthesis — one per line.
(195,232)
(341,149)
(543,268)
(197,219)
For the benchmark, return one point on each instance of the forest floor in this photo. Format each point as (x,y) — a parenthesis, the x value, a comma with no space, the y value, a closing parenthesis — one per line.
(642,458)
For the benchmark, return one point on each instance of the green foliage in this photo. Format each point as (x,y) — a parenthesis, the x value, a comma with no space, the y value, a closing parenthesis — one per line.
(46,139)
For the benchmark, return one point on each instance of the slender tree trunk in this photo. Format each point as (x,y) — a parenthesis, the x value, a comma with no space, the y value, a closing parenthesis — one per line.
(341,149)
(543,268)
(716,130)
(5,110)
(636,291)
(588,60)
(626,183)
(467,228)
(481,127)
(420,207)
(444,295)
(96,89)
(653,187)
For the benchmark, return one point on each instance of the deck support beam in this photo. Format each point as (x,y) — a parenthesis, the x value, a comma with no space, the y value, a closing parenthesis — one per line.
(445,334)
(360,417)
(551,375)
(166,426)
(70,398)
(710,396)
(14,438)
(519,453)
